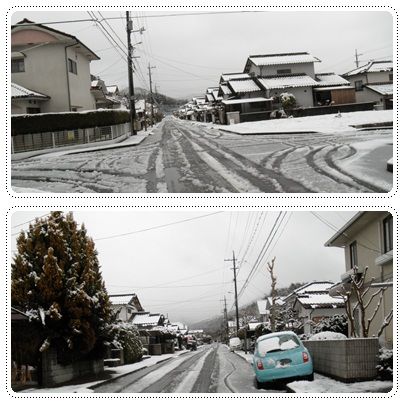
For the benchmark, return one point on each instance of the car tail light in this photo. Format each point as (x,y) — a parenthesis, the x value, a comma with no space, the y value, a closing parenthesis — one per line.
(260,365)
(306,357)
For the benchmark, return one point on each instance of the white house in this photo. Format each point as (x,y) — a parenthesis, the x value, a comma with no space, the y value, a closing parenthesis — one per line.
(125,306)
(52,63)
(373,82)
(368,241)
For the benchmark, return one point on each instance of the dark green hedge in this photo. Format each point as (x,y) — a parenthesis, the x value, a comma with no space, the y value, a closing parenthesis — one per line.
(54,122)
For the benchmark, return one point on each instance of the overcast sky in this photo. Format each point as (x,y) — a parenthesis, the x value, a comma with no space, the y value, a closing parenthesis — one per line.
(191,52)
(180,270)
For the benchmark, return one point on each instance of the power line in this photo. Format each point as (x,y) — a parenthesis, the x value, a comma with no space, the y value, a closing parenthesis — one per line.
(156,227)
(146,16)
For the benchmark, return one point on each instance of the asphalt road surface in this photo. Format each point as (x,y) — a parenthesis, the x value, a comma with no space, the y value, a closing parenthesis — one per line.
(181,156)
(211,369)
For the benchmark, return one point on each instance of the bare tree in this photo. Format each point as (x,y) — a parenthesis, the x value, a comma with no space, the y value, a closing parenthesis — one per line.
(270,269)
(361,292)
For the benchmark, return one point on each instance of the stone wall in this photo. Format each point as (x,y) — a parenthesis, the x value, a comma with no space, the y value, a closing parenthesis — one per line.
(54,373)
(349,360)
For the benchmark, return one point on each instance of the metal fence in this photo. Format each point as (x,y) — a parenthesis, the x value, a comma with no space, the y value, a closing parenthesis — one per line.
(51,140)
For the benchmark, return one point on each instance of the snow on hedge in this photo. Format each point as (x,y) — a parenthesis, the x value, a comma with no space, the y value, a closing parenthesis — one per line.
(327,335)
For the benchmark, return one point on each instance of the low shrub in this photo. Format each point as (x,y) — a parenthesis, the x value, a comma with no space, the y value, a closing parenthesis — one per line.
(54,122)
(385,366)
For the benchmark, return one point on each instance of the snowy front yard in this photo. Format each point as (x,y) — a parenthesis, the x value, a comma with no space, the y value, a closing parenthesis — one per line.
(329,123)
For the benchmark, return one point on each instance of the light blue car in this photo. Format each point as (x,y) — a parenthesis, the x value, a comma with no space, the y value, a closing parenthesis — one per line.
(281,355)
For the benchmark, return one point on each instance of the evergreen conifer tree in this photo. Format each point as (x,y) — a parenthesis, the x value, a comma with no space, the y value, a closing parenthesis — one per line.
(56,280)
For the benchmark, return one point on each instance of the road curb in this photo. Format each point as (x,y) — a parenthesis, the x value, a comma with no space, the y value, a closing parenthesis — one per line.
(296,132)
(104,382)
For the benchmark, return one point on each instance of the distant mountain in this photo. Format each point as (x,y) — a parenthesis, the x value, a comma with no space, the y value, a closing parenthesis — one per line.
(166,102)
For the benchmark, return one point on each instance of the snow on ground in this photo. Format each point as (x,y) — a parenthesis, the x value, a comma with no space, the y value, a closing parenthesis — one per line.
(113,373)
(323,384)
(370,162)
(329,123)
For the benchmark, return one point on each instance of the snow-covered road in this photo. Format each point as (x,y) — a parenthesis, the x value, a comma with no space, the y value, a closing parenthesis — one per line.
(211,369)
(181,156)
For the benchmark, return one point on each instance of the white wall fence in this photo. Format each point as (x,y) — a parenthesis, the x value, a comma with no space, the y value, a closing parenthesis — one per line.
(52,140)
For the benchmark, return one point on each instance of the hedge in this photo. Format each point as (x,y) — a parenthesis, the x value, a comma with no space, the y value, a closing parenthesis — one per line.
(54,122)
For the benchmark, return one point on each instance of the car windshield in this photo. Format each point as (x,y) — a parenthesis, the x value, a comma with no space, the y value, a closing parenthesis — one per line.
(278,343)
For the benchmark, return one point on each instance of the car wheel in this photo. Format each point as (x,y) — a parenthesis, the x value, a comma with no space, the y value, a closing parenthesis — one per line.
(310,378)
(258,384)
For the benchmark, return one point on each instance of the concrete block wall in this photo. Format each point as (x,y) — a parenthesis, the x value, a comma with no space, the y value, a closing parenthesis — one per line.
(349,360)
(54,373)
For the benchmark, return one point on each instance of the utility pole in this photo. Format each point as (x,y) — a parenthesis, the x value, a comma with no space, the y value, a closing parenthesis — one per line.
(151,93)
(226,320)
(356,57)
(235,289)
(129,28)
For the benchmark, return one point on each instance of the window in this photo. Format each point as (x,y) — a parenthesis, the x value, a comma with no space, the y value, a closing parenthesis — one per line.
(353,254)
(388,234)
(72,66)
(17,65)
(284,71)
(359,85)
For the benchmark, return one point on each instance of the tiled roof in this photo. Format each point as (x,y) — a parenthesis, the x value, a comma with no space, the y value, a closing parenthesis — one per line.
(234,76)
(383,89)
(287,81)
(282,58)
(243,86)
(330,79)
(146,319)
(215,94)
(313,287)
(245,101)
(225,89)
(18,91)
(372,67)
(209,97)
(323,300)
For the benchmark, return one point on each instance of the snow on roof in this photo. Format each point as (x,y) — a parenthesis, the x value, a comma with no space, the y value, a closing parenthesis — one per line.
(320,300)
(18,91)
(234,76)
(282,58)
(279,301)
(231,323)
(383,89)
(245,101)
(215,94)
(225,89)
(209,90)
(120,300)
(243,86)
(333,88)
(372,67)
(146,319)
(313,287)
(288,81)
(262,307)
(112,89)
(330,79)
(209,97)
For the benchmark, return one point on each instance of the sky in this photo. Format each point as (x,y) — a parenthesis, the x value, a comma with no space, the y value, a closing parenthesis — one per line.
(180,269)
(190,52)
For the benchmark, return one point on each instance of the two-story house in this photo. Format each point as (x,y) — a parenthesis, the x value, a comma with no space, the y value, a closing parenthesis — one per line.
(368,242)
(373,82)
(53,64)
(125,306)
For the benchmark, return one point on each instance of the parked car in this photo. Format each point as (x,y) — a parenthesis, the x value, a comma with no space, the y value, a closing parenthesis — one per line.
(234,343)
(281,355)
(190,343)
